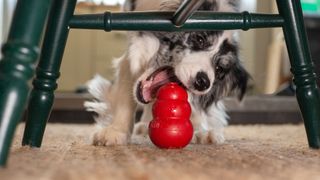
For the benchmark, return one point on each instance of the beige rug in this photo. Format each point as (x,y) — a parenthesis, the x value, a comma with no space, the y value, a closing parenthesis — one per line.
(251,152)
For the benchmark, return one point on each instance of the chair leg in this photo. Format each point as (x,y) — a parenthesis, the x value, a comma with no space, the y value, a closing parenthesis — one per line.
(42,95)
(20,54)
(307,92)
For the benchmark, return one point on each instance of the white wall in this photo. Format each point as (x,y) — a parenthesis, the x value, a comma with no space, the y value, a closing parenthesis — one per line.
(247,39)
(1,25)
(6,11)
(248,5)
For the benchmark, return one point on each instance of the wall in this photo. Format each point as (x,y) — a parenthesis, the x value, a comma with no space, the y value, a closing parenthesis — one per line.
(89,52)
(1,24)
(255,45)
(6,12)
(247,40)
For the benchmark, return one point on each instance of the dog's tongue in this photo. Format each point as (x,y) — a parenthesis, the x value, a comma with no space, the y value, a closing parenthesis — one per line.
(150,86)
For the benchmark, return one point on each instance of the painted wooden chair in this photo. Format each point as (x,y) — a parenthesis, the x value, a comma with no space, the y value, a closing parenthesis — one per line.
(21,51)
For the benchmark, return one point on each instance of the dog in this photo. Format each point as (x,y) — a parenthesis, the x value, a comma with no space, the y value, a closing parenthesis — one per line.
(206,63)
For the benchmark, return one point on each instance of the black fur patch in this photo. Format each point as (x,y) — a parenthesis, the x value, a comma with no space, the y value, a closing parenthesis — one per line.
(227,47)
(209,5)
(174,43)
(230,77)
(199,41)
(171,44)
(234,83)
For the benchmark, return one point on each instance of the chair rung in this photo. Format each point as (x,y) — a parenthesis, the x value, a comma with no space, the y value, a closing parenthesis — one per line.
(162,21)
(186,9)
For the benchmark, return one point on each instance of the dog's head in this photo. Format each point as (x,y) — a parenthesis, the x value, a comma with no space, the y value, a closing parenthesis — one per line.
(206,63)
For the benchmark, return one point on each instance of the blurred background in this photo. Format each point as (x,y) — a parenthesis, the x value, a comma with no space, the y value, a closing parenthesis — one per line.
(263,51)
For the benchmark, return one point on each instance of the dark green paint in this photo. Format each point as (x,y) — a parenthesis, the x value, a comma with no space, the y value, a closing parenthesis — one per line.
(302,68)
(186,9)
(42,95)
(161,21)
(17,66)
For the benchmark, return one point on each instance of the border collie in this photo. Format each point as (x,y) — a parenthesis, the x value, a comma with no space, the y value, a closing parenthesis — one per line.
(206,63)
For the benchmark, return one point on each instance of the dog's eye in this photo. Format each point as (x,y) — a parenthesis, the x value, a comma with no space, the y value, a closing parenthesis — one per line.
(165,39)
(220,73)
(219,69)
(200,41)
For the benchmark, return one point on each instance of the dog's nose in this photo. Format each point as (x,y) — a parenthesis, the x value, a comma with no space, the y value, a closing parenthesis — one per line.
(201,82)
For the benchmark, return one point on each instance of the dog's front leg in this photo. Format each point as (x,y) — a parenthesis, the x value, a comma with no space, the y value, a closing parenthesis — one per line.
(122,108)
(141,128)
(209,125)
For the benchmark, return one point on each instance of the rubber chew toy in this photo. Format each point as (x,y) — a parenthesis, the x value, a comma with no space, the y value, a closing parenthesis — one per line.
(171,126)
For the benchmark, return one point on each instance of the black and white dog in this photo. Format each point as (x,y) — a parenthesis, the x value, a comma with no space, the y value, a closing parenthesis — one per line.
(205,63)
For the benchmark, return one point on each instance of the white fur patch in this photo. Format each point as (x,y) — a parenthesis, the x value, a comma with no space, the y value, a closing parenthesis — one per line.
(190,65)
(209,126)
(98,87)
(141,51)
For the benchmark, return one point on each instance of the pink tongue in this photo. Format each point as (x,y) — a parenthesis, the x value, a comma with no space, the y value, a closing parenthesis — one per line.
(146,90)
(150,87)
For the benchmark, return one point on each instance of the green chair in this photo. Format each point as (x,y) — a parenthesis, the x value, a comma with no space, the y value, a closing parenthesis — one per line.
(22,49)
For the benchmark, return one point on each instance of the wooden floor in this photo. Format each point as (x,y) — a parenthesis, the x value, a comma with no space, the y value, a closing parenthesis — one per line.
(251,152)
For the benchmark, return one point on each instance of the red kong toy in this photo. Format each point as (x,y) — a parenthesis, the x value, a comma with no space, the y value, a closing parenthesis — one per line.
(171,126)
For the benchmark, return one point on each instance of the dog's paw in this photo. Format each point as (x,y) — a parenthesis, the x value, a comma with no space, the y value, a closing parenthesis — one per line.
(110,136)
(141,128)
(208,137)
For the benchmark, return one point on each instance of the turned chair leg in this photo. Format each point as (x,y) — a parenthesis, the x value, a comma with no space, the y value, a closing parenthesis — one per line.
(20,54)
(307,92)
(42,95)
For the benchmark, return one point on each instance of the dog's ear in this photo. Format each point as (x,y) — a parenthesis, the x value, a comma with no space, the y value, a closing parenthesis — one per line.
(240,79)
(234,82)
(230,74)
